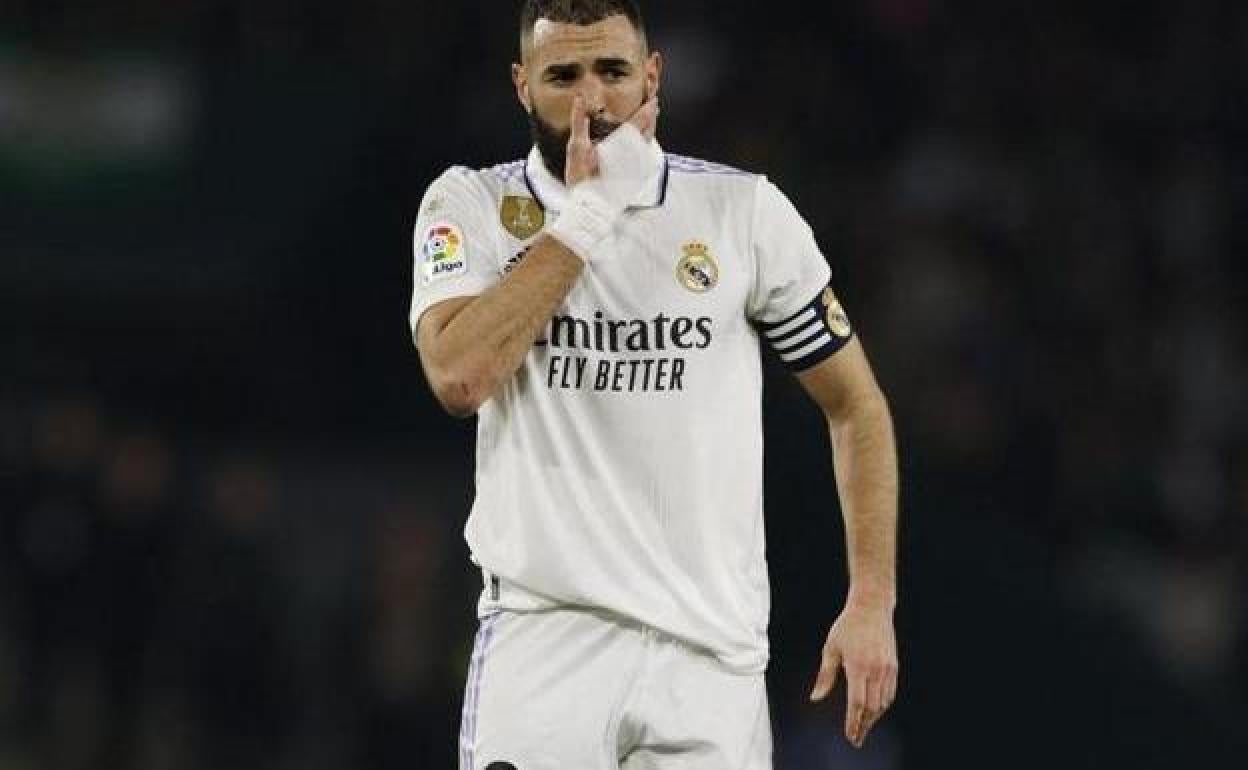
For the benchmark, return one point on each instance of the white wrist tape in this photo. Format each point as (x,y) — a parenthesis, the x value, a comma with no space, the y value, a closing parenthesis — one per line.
(585,222)
(625,162)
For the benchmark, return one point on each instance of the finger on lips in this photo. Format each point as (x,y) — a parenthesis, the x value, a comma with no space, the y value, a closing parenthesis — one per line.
(580,118)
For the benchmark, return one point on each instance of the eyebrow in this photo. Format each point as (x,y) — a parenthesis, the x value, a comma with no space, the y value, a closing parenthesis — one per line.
(569,68)
(612,62)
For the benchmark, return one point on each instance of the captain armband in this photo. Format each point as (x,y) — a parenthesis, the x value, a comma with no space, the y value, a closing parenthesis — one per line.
(810,335)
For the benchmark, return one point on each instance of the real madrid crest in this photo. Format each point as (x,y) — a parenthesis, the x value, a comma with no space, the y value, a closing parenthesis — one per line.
(522,217)
(697,270)
(838,322)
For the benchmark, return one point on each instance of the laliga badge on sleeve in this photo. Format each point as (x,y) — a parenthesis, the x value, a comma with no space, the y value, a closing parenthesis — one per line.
(442,253)
(522,217)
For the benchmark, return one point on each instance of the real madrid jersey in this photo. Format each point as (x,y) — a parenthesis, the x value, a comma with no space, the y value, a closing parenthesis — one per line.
(621,467)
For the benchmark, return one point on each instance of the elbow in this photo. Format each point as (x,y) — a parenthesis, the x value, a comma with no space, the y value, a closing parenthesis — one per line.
(461,394)
(459,402)
(461,377)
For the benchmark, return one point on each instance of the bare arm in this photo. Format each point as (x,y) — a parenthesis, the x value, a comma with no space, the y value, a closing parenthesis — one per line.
(469,346)
(861,430)
(862,640)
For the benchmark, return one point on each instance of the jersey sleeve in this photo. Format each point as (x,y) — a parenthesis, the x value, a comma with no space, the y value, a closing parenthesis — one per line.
(453,244)
(792,304)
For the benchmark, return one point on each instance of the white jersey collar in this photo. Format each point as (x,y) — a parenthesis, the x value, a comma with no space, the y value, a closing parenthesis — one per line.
(552,194)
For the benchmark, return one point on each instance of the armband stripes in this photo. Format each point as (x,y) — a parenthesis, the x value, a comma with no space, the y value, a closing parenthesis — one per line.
(810,335)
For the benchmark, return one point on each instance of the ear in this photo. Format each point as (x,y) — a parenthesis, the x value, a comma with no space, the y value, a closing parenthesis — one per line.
(520,79)
(654,74)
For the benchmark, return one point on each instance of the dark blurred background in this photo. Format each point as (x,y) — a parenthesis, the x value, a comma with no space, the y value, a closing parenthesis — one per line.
(230,511)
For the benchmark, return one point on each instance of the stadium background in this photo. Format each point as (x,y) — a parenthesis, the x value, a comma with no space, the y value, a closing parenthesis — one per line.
(231,512)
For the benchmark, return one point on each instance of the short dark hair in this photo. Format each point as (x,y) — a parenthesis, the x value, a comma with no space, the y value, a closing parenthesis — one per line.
(582,12)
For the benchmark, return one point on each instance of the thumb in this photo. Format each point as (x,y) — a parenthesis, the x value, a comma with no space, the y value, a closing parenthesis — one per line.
(826,679)
(646,118)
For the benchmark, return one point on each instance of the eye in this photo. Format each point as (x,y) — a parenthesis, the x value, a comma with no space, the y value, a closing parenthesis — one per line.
(561,77)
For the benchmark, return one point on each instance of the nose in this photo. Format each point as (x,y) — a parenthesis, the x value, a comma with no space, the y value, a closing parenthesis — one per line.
(592,92)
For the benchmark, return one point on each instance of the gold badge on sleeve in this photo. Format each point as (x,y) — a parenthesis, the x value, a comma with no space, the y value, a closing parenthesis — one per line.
(522,217)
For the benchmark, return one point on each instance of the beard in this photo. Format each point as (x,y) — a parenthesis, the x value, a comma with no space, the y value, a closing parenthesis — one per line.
(553,144)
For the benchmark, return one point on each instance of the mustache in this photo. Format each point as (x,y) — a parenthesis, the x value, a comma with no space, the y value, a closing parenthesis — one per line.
(599,128)
(553,144)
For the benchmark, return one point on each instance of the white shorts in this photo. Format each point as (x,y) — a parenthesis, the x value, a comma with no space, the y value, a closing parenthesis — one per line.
(572,689)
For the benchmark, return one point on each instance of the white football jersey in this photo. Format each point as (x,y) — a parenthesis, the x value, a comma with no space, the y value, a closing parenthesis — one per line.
(621,467)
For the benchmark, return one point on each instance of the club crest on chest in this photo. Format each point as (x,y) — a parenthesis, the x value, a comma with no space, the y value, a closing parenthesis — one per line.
(697,269)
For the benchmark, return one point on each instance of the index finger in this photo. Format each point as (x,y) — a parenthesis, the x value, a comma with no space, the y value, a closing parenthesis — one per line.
(856,705)
(580,119)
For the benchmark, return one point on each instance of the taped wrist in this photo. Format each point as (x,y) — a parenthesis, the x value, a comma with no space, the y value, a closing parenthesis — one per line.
(587,220)
(625,161)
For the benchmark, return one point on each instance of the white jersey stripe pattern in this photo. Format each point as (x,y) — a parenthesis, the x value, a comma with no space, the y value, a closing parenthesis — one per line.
(472,694)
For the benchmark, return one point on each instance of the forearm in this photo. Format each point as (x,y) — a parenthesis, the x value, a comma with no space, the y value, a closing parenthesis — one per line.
(475,347)
(865,457)
(484,344)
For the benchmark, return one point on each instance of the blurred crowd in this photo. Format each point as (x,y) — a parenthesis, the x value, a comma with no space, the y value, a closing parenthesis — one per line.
(1031,212)
(168,605)
(1051,273)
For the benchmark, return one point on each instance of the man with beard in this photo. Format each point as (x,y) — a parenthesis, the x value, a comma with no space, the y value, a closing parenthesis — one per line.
(599,307)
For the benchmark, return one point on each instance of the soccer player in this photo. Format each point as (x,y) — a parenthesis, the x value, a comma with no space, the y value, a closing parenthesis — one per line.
(599,306)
